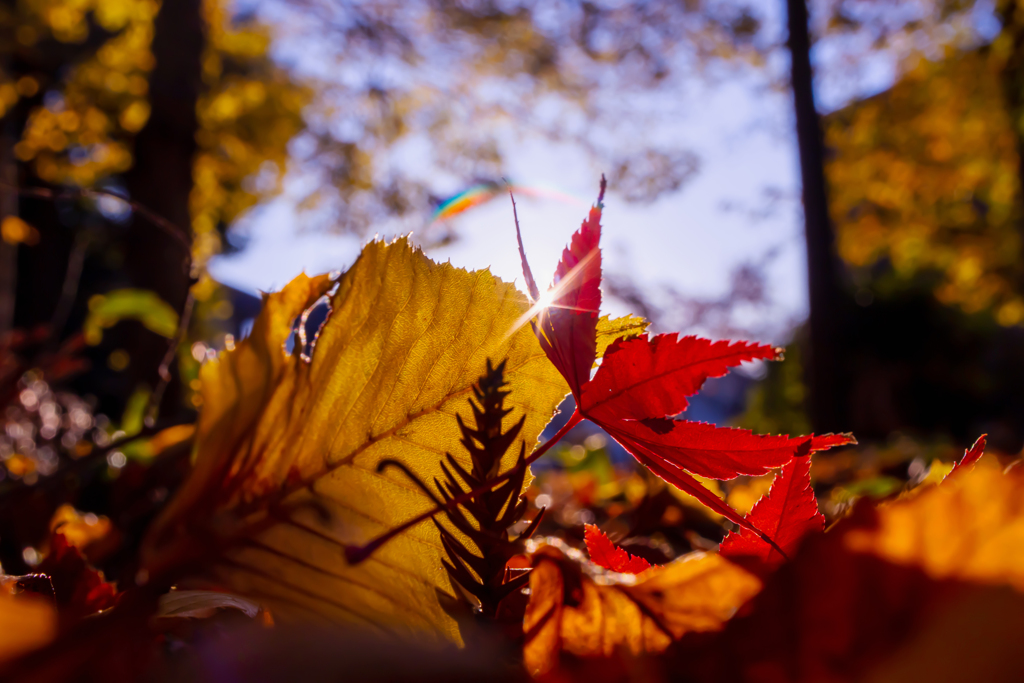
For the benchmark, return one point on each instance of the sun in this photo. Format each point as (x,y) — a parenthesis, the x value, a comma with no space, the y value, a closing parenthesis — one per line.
(545,300)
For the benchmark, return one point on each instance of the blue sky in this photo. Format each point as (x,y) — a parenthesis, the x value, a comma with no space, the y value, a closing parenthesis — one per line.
(688,238)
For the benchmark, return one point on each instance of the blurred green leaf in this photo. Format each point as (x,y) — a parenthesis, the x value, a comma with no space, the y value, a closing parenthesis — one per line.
(106,310)
(135,411)
(596,462)
(876,487)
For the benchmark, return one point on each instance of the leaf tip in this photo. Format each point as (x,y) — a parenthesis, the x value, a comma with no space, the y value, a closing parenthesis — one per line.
(606,554)
(971,456)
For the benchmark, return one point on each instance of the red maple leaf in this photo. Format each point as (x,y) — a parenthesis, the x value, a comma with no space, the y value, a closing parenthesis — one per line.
(79,589)
(606,554)
(635,373)
(787,513)
(971,456)
(566,319)
(642,382)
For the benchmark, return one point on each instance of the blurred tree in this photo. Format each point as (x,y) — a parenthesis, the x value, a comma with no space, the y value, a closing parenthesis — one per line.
(825,406)
(127,96)
(923,197)
(175,107)
(181,107)
(927,177)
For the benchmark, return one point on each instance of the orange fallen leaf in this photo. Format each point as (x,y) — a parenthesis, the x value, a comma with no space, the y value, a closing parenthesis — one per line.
(27,622)
(971,527)
(571,612)
(921,588)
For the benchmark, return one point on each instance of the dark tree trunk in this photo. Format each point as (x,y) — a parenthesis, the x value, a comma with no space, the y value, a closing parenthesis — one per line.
(8,207)
(9,133)
(161,177)
(1012,16)
(825,406)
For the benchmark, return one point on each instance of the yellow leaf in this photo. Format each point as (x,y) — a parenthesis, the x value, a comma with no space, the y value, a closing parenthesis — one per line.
(937,471)
(79,529)
(626,327)
(166,438)
(135,115)
(686,499)
(570,611)
(970,527)
(287,450)
(744,495)
(26,623)
(146,306)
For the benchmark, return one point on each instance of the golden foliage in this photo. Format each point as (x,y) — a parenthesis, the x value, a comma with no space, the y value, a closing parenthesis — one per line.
(287,449)
(570,611)
(745,493)
(14,230)
(247,115)
(85,134)
(926,176)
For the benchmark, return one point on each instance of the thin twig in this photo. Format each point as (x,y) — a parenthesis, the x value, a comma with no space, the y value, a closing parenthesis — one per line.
(69,289)
(180,235)
(165,365)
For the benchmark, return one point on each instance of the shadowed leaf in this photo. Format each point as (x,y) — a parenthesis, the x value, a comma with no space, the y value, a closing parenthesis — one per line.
(923,588)
(80,590)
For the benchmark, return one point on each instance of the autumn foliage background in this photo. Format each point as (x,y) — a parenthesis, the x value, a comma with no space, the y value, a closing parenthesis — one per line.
(407,469)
